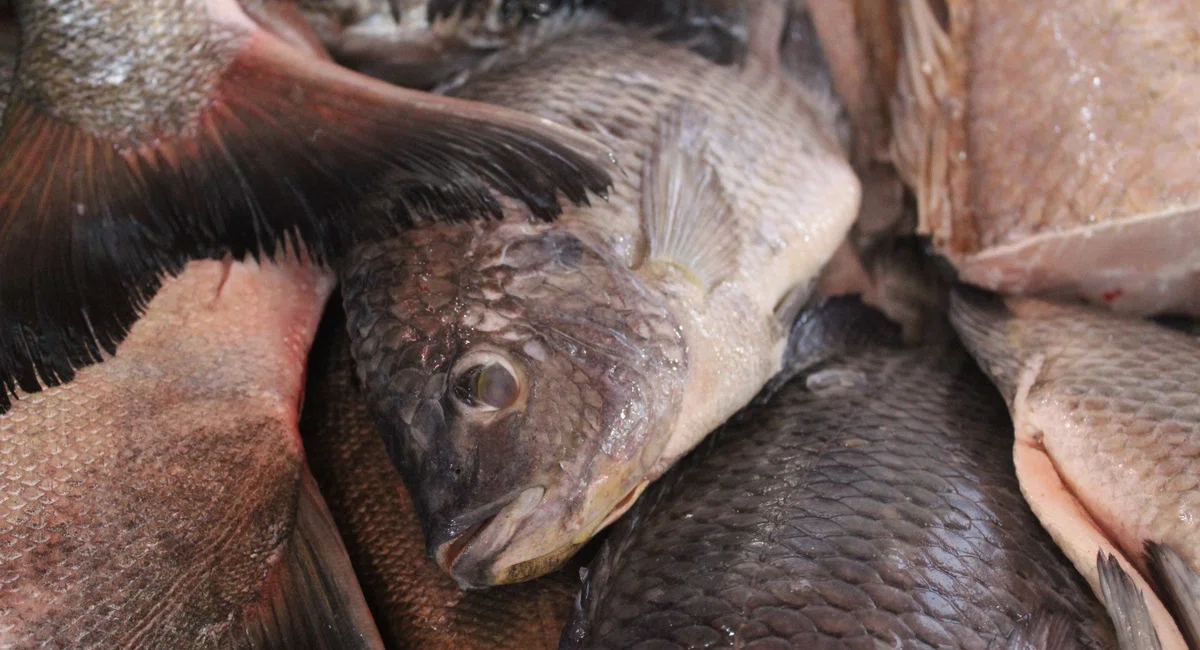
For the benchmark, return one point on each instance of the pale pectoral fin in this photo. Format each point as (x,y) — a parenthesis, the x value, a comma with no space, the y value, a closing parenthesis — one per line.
(1081,540)
(1179,586)
(313,599)
(1126,605)
(685,212)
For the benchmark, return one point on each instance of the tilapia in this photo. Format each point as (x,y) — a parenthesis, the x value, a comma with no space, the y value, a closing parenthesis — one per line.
(1107,416)
(161,499)
(140,135)
(870,502)
(1053,146)
(531,379)
(416,605)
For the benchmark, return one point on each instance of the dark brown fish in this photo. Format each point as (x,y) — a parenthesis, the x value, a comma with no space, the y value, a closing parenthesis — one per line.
(869,503)
(141,135)
(161,499)
(416,604)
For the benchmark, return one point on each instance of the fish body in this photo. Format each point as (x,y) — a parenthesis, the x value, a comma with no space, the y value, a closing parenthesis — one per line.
(161,500)
(127,119)
(416,605)
(531,380)
(868,502)
(1053,148)
(1107,419)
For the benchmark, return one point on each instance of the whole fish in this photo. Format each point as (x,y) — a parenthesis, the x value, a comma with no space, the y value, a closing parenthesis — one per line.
(416,605)
(141,135)
(161,499)
(1107,415)
(530,380)
(1053,147)
(868,503)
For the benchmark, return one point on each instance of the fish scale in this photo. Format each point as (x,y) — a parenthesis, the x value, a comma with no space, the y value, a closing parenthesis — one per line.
(868,514)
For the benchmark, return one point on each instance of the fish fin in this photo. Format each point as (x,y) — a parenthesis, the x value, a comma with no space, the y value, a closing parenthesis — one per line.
(927,131)
(793,302)
(768,22)
(1043,631)
(982,320)
(687,217)
(313,600)
(1179,587)
(1126,605)
(89,225)
(831,327)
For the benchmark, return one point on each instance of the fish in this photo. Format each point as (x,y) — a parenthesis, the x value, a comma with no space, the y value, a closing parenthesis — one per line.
(416,605)
(139,136)
(1052,149)
(530,380)
(865,499)
(1107,434)
(162,500)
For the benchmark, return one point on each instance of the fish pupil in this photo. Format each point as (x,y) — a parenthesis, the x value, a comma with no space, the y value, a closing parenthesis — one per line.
(490,385)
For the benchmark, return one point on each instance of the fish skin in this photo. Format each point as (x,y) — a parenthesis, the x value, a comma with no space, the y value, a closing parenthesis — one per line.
(625,361)
(1049,161)
(152,502)
(1111,403)
(870,503)
(416,605)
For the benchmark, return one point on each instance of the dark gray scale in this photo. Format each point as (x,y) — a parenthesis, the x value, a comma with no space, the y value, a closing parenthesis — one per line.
(870,503)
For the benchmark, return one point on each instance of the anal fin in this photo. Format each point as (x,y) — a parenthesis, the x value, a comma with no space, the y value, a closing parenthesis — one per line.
(1126,605)
(312,600)
(1179,587)
(1080,539)
(686,215)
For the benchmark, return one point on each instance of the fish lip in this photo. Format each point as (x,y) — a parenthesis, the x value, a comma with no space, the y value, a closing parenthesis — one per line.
(469,557)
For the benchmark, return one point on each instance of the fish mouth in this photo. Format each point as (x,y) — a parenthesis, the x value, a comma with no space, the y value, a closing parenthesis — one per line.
(469,556)
(477,562)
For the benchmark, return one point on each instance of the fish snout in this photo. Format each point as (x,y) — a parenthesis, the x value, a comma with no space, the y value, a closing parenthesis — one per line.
(468,545)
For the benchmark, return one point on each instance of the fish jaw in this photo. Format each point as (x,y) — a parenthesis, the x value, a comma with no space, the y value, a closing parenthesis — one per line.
(1108,432)
(593,361)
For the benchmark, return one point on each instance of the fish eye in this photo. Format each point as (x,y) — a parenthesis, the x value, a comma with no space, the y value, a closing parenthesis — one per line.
(486,385)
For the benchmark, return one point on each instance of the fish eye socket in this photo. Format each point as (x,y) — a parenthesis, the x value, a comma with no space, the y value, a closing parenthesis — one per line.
(488,386)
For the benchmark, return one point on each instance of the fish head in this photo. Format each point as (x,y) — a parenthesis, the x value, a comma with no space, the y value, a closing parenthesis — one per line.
(525,381)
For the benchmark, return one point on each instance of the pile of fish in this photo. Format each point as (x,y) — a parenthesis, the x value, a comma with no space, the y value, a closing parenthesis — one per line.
(599,324)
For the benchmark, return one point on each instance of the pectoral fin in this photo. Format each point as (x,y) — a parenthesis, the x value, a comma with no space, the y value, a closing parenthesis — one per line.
(687,217)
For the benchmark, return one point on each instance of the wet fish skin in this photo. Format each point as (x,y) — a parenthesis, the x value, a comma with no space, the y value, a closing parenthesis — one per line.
(868,503)
(1049,161)
(1107,424)
(620,360)
(416,605)
(161,499)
